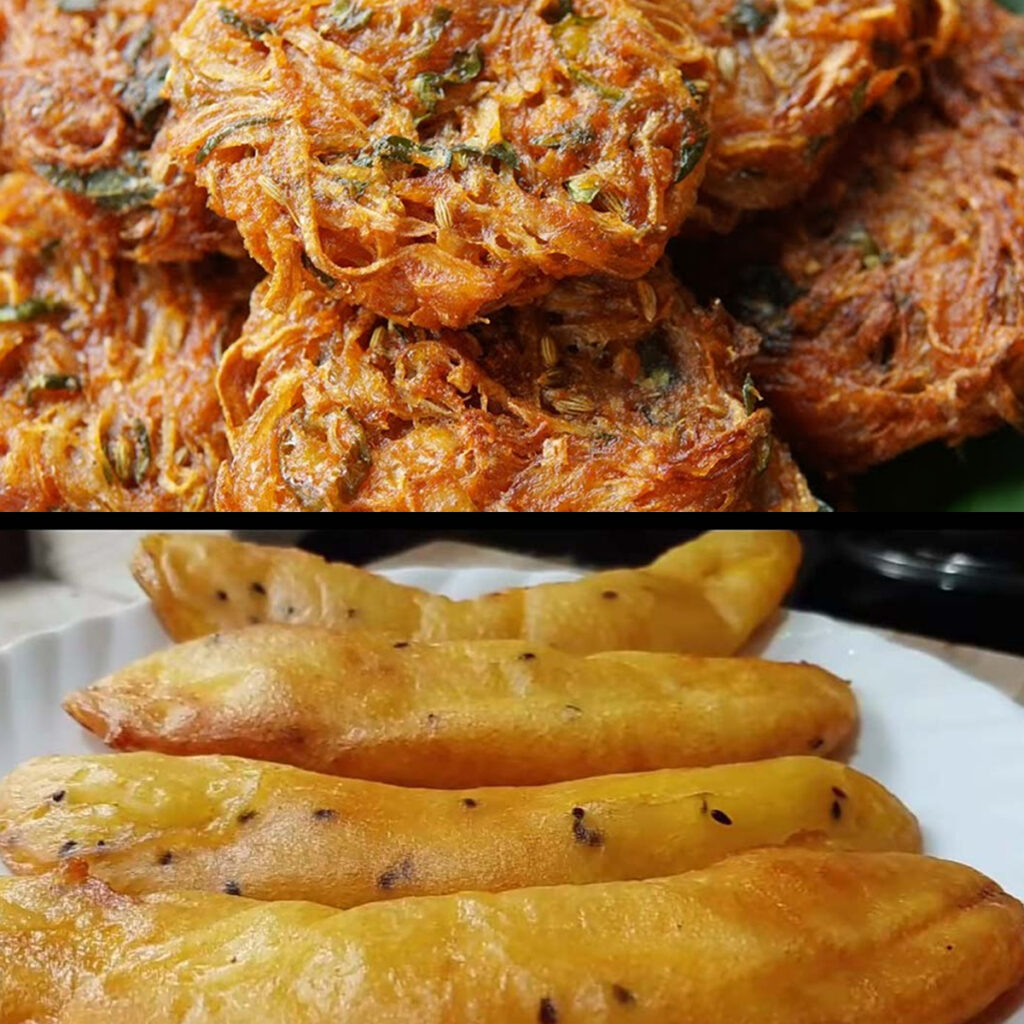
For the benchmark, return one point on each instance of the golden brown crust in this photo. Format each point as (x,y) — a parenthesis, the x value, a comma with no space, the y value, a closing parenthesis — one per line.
(80,100)
(153,823)
(794,76)
(891,302)
(605,395)
(332,135)
(364,705)
(703,597)
(107,398)
(833,938)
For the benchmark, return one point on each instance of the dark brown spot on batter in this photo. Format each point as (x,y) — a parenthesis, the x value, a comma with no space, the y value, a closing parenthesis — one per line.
(623,995)
(547,1014)
(394,876)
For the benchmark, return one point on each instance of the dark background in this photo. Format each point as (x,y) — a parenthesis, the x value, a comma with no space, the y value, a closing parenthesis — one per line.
(981,604)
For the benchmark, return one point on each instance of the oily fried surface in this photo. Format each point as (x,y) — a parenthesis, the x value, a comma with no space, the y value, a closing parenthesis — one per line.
(283,833)
(891,302)
(703,597)
(107,397)
(80,103)
(770,935)
(434,163)
(362,705)
(794,75)
(605,395)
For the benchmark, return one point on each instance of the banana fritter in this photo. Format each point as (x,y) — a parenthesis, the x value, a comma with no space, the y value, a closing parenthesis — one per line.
(606,395)
(81,104)
(107,397)
(768,936)
(283,833)
(891,302)
(433,163)
(793,76)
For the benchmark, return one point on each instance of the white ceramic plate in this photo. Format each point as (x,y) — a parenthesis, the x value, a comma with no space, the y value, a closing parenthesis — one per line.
(948,745)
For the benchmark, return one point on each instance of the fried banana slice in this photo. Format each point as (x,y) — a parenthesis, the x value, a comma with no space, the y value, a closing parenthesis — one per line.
(891,302)
(606,395)
(149,822)
(432,164)
(81,104)
(794,76)
(367,706)
(703,597)
(772,935)
(107,396)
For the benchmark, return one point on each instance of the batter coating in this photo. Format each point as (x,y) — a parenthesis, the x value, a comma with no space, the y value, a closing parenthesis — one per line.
(774,935)
(369,706)
(152,822)
(434,163)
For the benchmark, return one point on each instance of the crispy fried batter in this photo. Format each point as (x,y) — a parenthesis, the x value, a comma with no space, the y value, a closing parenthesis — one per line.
(892,302)
(607,395)
(793,76)
(107,397)
(775,935)
(434,163)
(80,103)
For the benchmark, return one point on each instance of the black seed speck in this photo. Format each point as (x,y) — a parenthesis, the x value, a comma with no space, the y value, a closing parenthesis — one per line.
(66,848)
(58,796)
(258,588)
(837,810)
(165,858)
(233,960)
(527,656)
(352,612)
(232,888)
(547,1014)
(583,834)
(325,814)
(839,793)
(949,949)
(100,844)
(400,644)
(246,816)
(468,801)
(623,995)
(222,595)
(609,595)
(574,709)
(289,611)
(399,873)
(721,817)
(817,743)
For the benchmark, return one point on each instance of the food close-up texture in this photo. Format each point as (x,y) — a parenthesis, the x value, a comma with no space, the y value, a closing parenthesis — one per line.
(330,798)
(528,255)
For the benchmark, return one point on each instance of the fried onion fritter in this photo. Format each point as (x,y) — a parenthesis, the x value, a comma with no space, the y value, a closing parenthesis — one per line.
(107,396)
(891,302)
(433,164)
(81,105)
(794,76)
(606,395)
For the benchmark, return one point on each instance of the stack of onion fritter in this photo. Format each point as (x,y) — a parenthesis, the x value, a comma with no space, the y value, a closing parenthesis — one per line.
(461,212)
